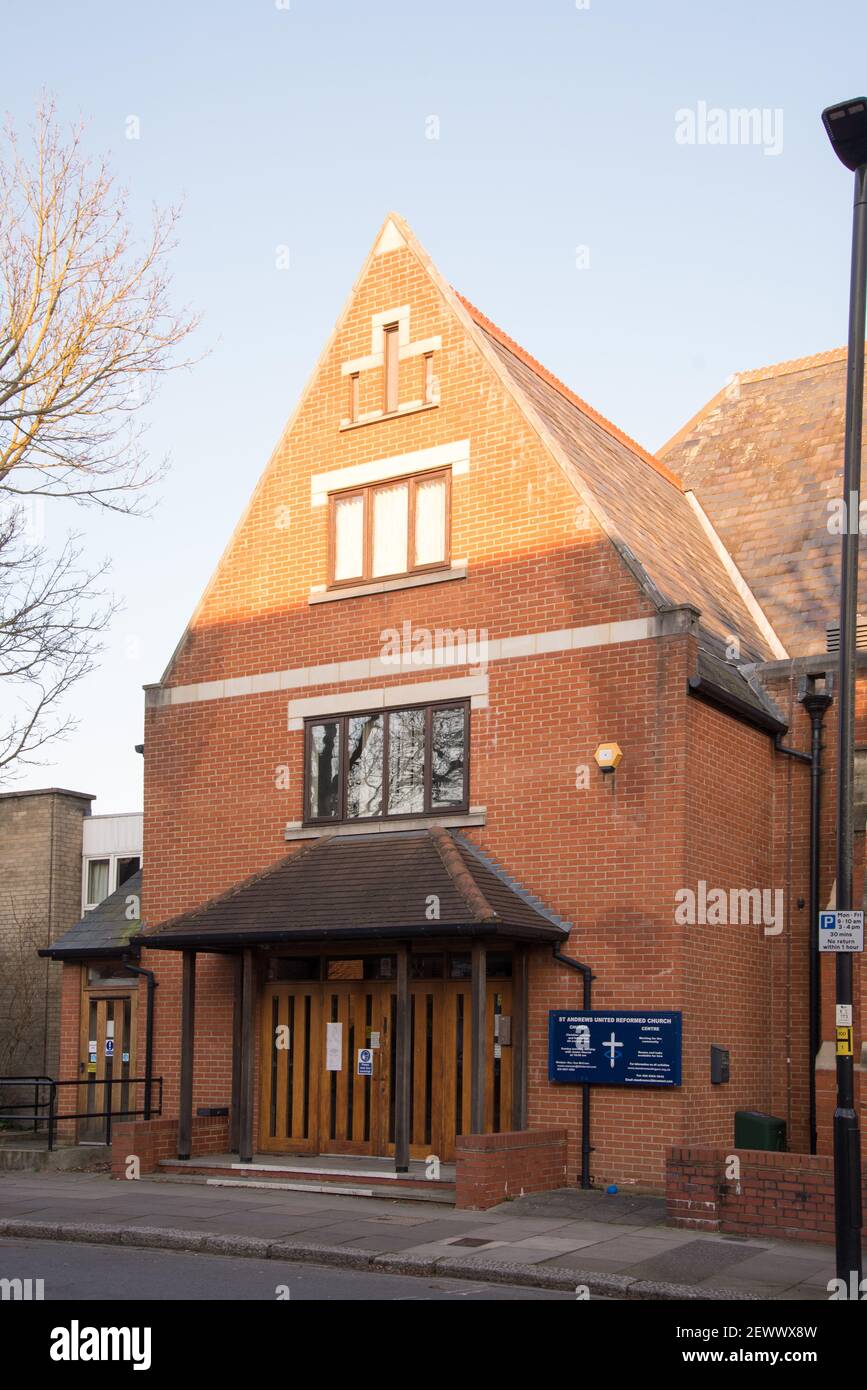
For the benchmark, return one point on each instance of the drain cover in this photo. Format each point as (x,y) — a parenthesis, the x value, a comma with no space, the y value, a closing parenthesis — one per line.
(471,1240)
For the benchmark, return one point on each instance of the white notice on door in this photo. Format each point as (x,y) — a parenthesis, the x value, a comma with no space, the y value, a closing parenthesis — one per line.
(334,1047)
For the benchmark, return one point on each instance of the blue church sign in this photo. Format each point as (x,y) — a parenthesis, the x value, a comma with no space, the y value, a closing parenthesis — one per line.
(614,1047)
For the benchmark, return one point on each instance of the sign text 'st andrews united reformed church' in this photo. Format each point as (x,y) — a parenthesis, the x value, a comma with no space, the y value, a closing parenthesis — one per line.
(614,1048)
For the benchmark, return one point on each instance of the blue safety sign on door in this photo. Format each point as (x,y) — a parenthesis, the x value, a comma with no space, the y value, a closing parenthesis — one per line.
(365,1062)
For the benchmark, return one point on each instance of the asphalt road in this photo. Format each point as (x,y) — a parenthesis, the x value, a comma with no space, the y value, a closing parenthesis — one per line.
(73,1272)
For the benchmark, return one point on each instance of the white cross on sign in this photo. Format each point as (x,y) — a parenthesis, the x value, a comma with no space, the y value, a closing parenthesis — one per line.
(613,1044)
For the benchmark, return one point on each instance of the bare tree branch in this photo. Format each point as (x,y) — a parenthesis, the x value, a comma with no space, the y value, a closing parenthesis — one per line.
(86,333)
(50,629)
(86,326)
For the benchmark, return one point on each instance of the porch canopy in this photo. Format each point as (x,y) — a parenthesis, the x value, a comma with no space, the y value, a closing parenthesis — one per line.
(430,882)
(106,931)
(351,888)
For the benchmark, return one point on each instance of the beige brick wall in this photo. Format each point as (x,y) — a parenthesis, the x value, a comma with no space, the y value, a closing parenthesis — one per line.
(40,898)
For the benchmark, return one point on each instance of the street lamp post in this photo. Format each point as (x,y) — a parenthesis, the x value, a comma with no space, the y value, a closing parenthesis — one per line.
(846,125)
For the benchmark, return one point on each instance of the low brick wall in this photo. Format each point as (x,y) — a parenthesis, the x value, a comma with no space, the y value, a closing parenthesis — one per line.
(769,1194)
(152,1140)
(492,1167)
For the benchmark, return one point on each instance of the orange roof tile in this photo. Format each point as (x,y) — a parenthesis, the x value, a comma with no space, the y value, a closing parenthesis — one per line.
(795,364)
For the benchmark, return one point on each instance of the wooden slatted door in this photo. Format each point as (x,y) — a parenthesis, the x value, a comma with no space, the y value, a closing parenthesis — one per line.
(498,1086)
(356,1111)
(108,1053)
(291,1065)
(429,1046)
(307,1106)
(457,1057)
(441,1066)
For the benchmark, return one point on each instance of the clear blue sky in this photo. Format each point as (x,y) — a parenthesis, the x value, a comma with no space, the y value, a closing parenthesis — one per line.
(302,126)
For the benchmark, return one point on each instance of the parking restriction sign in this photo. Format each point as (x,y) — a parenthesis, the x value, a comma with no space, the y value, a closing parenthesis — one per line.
(841,931)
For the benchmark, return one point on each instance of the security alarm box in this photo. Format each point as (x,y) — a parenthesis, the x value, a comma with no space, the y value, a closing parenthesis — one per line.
(719,1064)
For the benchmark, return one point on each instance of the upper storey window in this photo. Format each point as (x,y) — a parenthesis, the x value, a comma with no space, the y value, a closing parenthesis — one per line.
(388,529)
(387,763)
(392,367)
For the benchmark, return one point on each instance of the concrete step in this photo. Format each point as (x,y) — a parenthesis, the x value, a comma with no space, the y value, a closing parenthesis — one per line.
(403,1192)
(345,1182)
(31,1158)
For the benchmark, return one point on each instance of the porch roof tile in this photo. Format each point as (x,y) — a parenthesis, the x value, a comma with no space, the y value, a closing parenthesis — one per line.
(361,887)
(106,929)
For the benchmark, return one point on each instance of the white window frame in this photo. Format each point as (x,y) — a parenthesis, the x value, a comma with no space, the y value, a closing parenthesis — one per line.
(114,859)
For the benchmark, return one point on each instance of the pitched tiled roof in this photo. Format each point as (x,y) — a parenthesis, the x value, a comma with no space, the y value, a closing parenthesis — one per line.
(521,353)
(639,501)
(765,457)
(104,930)
(794,364)
(351,887)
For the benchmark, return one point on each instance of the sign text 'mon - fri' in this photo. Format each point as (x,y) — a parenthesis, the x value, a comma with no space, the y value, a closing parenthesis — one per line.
(841,931)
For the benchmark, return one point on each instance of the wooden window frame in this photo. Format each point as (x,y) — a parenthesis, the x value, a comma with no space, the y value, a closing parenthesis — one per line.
(412,480)
(428,379)
(342,720)
(390,368)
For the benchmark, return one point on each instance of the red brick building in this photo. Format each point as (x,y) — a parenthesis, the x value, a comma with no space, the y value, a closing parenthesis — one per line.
(373,814)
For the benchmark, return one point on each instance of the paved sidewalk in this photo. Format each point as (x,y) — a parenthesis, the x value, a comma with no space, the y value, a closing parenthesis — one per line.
(617,1245)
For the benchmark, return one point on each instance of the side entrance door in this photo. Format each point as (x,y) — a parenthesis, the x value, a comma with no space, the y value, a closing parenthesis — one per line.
(107,1064)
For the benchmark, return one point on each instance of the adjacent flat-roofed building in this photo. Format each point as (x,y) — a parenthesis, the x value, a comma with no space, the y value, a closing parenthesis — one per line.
(56,862)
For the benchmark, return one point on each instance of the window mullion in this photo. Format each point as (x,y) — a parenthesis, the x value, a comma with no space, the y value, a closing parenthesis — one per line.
(341,723)
(386,728)
(306,813)
(367,554)
(428,757)
(410,523)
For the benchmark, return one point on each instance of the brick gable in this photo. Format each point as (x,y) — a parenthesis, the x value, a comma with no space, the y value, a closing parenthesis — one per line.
(255,615)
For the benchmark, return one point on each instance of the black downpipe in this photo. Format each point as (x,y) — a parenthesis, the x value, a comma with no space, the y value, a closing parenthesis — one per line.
(149,1030)
(816,703)
(586,1146)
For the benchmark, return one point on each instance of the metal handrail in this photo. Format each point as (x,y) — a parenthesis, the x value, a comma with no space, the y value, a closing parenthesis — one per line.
(35,1082)
(50,1105)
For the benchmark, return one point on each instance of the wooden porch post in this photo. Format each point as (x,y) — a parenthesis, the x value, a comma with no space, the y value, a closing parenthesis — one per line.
(188,1033)
(245,1098)
(478,993)
(235,1117)
(401,1058)
(520,1030)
